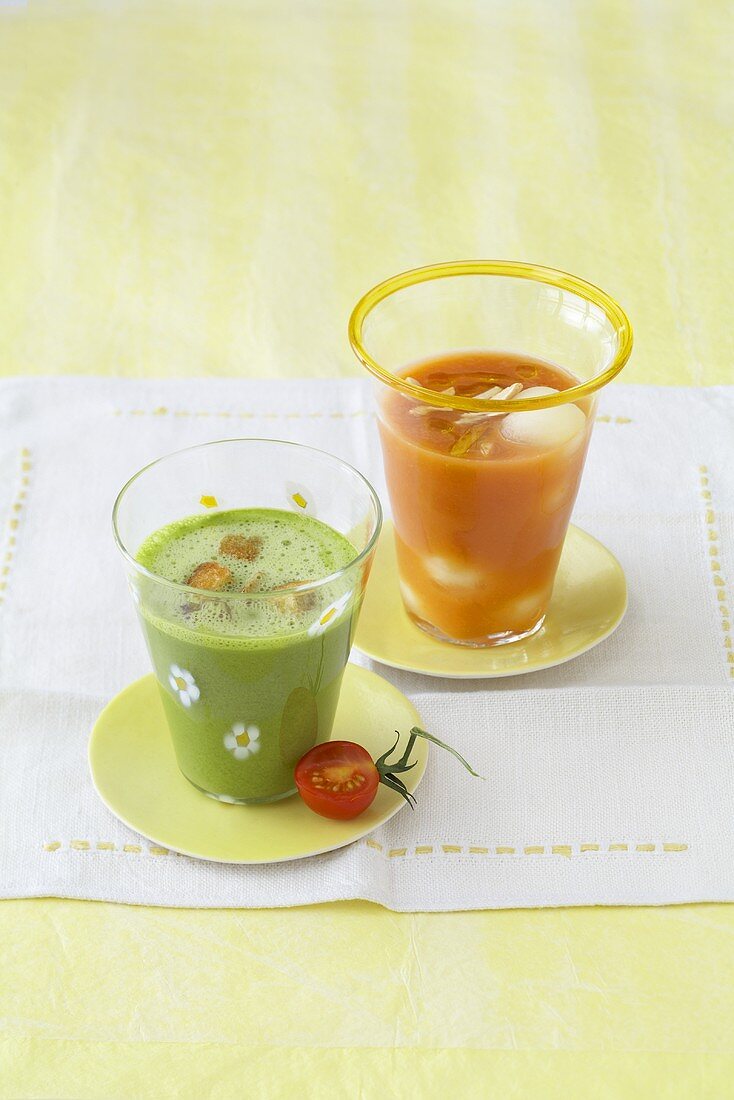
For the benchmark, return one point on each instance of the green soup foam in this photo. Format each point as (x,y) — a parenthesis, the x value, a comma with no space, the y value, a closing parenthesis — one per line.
(292,548)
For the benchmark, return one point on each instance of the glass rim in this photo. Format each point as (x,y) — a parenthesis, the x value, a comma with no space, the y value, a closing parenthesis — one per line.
(190,590)
(515,269)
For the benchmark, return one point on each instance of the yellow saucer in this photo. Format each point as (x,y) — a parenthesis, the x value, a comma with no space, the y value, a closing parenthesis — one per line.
(135,773)
(589,601)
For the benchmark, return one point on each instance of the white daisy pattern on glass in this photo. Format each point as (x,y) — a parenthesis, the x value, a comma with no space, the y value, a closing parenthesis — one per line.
(184,684)
(300,498)
(332,612)
(242,740)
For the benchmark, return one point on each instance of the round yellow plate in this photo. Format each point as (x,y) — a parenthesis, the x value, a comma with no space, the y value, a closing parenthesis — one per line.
(589,601)
(134,770)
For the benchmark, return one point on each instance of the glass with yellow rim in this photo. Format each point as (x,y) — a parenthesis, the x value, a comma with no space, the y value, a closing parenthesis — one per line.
(486,305)
(512,269)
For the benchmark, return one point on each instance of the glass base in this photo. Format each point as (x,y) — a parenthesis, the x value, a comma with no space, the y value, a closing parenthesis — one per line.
(230,801)
(505,637)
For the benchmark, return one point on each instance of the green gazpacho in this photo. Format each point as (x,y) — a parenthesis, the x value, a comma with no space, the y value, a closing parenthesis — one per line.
(249,666)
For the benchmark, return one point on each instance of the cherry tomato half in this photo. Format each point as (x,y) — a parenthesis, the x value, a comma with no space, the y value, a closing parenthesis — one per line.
(337,779)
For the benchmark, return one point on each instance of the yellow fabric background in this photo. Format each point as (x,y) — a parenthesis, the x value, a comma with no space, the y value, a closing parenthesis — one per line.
(206,188)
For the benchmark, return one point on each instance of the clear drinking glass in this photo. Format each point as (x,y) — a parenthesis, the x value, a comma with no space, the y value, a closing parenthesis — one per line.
(482,479)
(247,690)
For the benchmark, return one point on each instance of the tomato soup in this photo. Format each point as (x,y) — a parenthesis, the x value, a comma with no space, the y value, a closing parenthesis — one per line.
(481,502)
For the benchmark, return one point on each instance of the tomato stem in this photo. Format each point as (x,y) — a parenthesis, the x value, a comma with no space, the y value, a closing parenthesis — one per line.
(417,732)
(389,773)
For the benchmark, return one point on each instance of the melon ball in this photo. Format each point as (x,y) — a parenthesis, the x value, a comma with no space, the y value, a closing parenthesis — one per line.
(543,428)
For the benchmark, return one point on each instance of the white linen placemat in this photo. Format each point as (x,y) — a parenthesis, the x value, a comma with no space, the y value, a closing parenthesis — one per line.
(609,779)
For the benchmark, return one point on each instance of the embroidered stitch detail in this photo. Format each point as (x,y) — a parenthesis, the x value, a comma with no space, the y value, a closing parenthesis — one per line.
(566,851)
(25,467)
(78,845)
(163,411)
(717,576)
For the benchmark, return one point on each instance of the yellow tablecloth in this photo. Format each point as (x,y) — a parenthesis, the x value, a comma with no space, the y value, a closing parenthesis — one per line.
(204,189)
